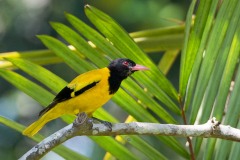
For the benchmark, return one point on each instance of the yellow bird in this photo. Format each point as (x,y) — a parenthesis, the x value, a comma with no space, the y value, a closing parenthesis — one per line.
(86,93)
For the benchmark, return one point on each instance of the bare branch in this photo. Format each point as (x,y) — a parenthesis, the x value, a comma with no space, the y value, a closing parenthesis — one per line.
(85,126)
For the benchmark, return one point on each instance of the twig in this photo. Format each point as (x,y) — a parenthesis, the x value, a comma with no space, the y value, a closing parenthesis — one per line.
(85,126)
(188,138)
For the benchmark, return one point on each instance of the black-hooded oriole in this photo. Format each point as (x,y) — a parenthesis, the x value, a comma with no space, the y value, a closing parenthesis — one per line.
(86,93)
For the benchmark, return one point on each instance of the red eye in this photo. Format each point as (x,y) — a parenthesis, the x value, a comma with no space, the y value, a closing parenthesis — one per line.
(125,63)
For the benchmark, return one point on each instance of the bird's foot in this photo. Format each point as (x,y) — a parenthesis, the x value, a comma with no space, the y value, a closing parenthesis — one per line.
(106,123)
(81,119)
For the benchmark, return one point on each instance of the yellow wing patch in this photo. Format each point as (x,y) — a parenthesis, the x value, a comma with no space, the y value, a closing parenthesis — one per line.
(85,79)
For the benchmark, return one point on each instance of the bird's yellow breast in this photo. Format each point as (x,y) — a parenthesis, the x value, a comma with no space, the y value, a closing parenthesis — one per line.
(89,100)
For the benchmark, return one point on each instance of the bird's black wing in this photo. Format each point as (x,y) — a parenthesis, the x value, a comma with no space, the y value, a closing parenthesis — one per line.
(63,95)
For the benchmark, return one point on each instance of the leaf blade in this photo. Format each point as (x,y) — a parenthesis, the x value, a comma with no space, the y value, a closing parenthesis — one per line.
(61,150)
(126,45)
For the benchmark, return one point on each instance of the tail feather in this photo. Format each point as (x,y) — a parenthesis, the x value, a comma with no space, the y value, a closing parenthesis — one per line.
(46,115)
(34,127)
(37,125)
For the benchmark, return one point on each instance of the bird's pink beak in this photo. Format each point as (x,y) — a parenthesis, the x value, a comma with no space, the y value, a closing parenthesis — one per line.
(138,67)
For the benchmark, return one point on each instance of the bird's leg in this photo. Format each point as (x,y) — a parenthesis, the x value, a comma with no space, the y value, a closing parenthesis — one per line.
(81,118)
(106,123)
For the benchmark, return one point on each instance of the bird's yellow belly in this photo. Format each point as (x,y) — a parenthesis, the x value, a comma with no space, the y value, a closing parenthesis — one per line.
(87,102)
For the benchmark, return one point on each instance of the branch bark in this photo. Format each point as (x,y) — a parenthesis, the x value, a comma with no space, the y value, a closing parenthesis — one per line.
(85,126)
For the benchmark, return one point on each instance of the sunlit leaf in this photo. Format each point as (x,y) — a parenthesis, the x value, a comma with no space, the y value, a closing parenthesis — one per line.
(122,41)
(168,60)
(117,150)
(42,57)
(71,58)
(38,72)
(232,116)
(27,86)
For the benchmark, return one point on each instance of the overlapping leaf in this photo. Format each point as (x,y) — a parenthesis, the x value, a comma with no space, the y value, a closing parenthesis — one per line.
(215,51)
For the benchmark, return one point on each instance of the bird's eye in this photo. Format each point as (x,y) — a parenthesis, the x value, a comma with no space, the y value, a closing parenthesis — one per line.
(125,63)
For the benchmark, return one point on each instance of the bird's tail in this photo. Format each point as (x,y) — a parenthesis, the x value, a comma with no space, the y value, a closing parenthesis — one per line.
(34,127)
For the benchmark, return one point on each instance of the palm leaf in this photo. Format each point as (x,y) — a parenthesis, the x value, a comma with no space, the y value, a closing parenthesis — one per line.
(210,72)
(61,150)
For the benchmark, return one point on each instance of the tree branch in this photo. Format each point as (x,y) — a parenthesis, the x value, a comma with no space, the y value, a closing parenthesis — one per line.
(85,126)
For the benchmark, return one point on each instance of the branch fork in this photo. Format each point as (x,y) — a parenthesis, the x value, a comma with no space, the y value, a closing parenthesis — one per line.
(83,125)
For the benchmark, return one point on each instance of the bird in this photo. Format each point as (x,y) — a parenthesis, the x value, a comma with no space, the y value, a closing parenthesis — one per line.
(86,93)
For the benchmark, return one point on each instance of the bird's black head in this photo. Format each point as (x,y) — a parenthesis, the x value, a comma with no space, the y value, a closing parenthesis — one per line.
(123,67)
(119,70)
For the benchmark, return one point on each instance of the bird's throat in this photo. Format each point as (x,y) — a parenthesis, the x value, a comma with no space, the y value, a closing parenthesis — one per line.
(114,82)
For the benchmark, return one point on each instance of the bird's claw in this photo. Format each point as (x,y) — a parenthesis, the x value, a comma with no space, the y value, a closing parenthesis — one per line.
(81,118)
(106,123)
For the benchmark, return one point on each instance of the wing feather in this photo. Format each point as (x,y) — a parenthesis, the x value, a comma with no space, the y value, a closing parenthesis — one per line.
(76,87)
